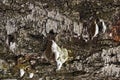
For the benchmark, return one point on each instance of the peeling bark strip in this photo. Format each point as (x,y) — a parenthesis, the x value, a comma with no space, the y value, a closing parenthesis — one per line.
(93,28)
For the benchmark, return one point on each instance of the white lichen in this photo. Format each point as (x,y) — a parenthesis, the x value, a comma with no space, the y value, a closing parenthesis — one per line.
(31,75)
(22,72)
(61,54)
(12,46)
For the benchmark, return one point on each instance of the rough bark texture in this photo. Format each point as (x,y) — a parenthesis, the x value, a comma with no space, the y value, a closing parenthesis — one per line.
(31,23)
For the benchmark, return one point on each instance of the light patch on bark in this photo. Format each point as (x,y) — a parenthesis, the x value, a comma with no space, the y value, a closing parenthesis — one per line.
(10,26)
(12,46)
(96,30)
(31,75)
(103,25)
(110,58)
(22,72)
(61,54)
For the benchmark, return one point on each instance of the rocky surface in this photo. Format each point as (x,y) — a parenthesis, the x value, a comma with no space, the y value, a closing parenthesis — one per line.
(26,26)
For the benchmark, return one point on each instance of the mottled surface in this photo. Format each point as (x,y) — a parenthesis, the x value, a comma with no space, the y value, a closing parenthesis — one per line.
(26,26)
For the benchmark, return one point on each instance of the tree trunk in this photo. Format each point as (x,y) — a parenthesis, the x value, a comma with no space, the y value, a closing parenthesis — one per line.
(29,26)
